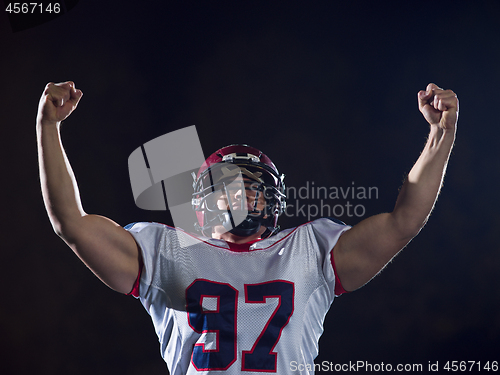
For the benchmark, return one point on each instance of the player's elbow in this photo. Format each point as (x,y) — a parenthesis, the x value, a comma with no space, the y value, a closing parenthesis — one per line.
(407,227)
(60,230)
(66,224)
(57,228)
(68,230)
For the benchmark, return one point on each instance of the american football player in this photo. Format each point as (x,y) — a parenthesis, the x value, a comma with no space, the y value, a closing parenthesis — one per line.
(240,295)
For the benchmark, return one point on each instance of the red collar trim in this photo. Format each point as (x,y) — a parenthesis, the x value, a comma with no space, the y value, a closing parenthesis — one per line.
(241,247)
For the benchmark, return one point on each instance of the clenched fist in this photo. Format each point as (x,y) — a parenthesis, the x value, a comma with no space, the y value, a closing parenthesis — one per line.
(439,107)
(57,102)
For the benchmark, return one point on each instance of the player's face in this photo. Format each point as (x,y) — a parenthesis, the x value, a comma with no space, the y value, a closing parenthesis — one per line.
(244,192)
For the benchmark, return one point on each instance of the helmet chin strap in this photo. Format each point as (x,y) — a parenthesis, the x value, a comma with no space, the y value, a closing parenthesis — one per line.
(246,228)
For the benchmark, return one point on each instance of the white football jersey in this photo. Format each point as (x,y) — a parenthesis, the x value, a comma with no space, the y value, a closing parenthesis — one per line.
(252,309)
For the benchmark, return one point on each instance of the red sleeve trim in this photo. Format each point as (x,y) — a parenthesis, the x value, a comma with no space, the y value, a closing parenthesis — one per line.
(135,290)
(339,289)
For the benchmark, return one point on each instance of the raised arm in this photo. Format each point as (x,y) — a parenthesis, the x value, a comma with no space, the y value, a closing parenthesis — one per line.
(104,246)
(365,249)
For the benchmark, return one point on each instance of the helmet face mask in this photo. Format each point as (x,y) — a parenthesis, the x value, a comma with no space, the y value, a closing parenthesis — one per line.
(239,188)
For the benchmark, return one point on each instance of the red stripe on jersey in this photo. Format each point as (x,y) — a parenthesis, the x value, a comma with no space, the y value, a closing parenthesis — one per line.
(339,289)
(135,290)
(241,247)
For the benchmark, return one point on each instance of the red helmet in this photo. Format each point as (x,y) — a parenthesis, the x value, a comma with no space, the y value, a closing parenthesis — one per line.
(219,171)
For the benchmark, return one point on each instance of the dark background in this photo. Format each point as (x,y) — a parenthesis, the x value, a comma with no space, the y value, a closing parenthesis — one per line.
(327,89)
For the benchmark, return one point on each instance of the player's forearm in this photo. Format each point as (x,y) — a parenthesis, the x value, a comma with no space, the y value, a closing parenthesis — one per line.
(59,188)
(423,184)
